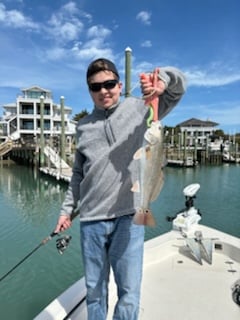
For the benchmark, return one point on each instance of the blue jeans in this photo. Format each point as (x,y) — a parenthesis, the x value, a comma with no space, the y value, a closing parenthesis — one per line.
(117,243)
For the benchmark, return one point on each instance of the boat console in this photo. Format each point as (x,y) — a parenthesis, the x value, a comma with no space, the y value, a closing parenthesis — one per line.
(200,247)
(190,215)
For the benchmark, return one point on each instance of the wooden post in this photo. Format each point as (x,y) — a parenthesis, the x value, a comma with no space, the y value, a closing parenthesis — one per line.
(195,147)
(41,131)
(128,56)
(185,147)
(62,153)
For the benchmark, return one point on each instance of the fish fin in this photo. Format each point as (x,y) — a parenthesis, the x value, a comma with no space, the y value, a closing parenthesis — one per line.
(136,187)
(148,152)
(149,219)
(143,152)
(144,218)
(139,218)
(138,154)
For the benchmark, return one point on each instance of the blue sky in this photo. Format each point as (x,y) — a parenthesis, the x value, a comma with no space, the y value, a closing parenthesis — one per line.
(50,44)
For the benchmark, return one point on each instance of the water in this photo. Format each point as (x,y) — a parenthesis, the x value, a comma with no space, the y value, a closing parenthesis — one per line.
(29,206)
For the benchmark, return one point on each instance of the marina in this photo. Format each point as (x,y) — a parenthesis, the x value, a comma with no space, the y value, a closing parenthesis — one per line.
(37,131)
(182,163)
(39,137)
(30,203)
(55,166)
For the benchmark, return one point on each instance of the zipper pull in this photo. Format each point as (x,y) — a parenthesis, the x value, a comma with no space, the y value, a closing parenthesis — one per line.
(106,113)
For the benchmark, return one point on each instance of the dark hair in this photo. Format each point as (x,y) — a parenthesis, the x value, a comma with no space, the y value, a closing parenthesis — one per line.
(101,64)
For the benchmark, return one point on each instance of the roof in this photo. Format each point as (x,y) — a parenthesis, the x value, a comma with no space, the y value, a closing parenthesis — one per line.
(10,105)
(193,122)
(35,88)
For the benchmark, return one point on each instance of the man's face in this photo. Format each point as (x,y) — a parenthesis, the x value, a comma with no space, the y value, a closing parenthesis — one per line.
(108,90)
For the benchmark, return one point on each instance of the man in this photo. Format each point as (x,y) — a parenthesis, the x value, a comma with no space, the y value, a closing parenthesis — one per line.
(103,174)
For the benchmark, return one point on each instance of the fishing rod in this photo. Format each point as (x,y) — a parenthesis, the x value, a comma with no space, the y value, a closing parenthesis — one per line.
(61,244)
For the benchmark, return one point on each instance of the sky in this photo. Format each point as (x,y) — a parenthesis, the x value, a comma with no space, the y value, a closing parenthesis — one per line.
(50,44)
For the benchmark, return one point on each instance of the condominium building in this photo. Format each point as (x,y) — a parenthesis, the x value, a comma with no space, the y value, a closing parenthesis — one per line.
(22,119)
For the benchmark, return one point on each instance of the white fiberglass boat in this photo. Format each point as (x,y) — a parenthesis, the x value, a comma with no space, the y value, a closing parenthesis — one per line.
(190,273)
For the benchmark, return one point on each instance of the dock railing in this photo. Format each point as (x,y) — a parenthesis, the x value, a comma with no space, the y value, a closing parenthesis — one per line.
(5,147)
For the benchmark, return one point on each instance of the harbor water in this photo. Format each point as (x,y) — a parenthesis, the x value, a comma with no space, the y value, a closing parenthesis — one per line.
(29,207)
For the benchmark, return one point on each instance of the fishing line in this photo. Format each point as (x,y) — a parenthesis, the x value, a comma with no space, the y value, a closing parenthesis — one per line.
(61,245)
(44,241)
(136,85)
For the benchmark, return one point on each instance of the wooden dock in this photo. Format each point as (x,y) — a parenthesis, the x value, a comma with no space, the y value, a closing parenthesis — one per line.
(63,174)
(29,153)
(188,163)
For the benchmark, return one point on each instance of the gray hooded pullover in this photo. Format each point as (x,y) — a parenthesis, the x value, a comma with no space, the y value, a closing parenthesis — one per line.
(104,170)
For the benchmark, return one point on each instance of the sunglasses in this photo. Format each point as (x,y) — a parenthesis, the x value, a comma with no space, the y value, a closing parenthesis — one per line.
(97,86)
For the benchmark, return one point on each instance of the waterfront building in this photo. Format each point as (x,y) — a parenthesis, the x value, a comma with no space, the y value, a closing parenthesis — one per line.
(22,118)
(197,131)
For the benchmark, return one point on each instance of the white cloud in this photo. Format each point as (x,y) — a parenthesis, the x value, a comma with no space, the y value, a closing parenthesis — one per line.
(211,78)
(15,19)
(98,31)
(68,23)
(95,47)
(146,44)
(70,7)
(220,112)
(66,33)
(144,17)
(226,113)
(65,29)
(92,49)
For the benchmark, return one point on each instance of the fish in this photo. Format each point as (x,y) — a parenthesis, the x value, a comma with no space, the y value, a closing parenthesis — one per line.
(152,161)
(151,175)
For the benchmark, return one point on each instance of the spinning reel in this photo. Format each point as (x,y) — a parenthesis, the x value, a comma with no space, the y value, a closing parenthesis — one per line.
(62,243)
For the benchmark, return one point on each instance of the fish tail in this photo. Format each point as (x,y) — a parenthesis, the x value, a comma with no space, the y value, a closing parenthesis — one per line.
(144,218)
(139,218)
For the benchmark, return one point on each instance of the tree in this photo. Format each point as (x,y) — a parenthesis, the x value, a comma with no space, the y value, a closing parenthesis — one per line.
(80,115)
(219,133)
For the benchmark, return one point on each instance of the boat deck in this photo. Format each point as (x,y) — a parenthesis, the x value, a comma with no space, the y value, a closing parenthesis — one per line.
(176,286)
